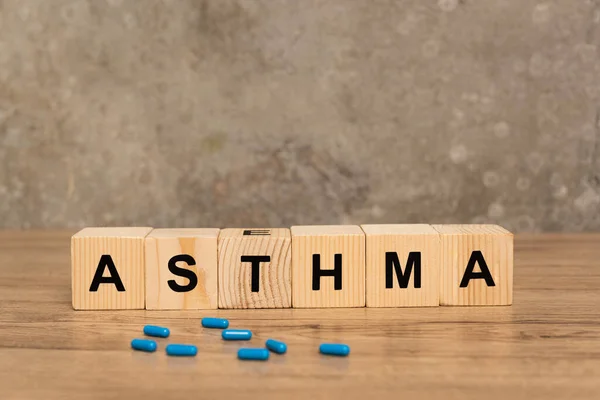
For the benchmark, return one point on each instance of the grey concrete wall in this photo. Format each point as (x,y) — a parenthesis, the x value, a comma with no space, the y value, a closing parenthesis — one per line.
(273,113)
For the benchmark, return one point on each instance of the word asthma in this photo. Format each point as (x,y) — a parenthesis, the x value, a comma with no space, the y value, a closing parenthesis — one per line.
(302,267)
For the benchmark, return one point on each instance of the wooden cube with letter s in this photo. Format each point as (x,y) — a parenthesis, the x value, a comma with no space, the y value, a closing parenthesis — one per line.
(181,269)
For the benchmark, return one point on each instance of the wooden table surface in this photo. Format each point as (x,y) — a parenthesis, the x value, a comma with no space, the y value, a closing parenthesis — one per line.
(546,346)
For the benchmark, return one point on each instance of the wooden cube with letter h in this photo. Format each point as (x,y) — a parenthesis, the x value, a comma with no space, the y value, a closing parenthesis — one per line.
(477,265)
(181,269)
(403,265)
(107,268)
(255,268)
(328,266)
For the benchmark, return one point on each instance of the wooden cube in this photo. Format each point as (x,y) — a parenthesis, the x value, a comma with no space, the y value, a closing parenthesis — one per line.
(328,266)
(477,265)
(181,269)
(255,268)
(403,265)
(107,268)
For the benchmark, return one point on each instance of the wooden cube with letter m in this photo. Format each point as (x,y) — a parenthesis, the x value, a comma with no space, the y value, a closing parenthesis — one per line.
(403,265)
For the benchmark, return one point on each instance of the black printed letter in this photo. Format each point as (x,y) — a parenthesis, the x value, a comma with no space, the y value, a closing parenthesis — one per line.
(255,260)
(336,272)
(393,264)
(186,273)
(477,257)
(106,261)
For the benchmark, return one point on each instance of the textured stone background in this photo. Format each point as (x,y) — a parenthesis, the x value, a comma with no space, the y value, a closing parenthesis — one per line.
(272,113)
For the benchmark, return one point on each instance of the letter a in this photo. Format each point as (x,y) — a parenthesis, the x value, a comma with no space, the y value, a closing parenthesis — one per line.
(106,261)
(477,257)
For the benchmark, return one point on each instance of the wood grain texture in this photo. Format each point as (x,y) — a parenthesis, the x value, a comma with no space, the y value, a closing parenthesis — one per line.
(328,240)
(275,287)
(458,244)
(126,248)
(161,246)
(546,346)
(402,240)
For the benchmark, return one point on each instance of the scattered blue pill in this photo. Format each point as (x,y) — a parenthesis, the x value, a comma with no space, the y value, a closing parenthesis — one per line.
(157,331)
(188,350)
(216,323)
(334,349)
(276,346)
(143,345)
(236,334)
(253,354)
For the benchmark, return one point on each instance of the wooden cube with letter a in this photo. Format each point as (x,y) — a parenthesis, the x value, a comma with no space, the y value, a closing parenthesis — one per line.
(328,266)
(181,269)
(403,265)
(107,268)
(255,268)
(477,265)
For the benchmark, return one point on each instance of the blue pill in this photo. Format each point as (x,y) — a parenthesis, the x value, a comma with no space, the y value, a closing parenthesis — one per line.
(217,323)
(276,346)
(236,334)
(181,350)
(253,354)
(143,345)
(334,349)
(157,331)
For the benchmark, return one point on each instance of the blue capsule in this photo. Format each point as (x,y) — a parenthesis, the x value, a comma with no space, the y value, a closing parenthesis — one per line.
(335,349)
(276,346)
(144,345)
(216,323)
(253,354)
(236,334)
(157,331)
(188,350)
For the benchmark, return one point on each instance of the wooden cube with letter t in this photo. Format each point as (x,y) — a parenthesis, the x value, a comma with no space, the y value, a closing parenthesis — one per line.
(181,269)
(403,265)
(107,268)
(328,266)
(477,265)
(255,268)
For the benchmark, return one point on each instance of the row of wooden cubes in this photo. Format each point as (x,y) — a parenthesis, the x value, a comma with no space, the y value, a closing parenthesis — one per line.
(302,267)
